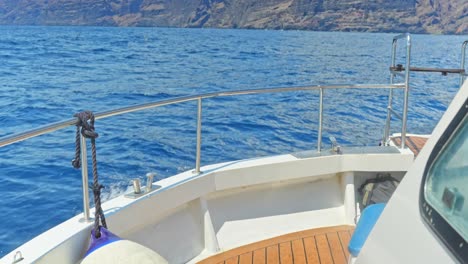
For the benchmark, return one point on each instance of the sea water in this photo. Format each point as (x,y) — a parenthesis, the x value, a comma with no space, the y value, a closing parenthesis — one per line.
(49,73)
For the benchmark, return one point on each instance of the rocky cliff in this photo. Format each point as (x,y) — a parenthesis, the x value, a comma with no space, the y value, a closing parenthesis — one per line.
(416,16)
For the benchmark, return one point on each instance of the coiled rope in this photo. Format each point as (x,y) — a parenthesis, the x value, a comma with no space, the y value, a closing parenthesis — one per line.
(87,130)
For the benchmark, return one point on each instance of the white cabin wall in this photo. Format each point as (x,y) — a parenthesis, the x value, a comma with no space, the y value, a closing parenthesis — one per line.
(401,235)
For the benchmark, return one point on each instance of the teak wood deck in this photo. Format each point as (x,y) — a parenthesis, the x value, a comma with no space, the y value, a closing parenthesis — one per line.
(315,246)
(414,143)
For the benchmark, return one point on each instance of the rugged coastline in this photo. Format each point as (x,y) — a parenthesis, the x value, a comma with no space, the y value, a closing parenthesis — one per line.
(416,16)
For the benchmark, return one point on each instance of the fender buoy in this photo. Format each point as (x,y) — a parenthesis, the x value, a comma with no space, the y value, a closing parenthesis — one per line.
(111,249)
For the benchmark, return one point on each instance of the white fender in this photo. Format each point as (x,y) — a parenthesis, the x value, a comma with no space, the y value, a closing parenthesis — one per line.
(123,251)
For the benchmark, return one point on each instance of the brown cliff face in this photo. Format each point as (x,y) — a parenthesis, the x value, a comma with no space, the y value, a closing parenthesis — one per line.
(441,16)
(417,16)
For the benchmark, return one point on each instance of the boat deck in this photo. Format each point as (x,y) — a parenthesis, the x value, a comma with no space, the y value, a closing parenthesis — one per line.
(414,143)
(315,246)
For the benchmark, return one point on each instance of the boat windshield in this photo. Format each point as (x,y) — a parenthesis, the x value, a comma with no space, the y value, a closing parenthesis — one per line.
(447,181)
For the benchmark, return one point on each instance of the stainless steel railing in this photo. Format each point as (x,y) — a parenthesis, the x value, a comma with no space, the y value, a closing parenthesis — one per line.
(462,65)
(406,75)
(7,140)
(396,71)
(199,98)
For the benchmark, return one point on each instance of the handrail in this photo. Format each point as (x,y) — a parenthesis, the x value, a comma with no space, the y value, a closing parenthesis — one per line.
(462,64)
(406,76)
(444,71)
(319,140)
(396,70)
(11,139)
(198,154)
(84,178)
(7,140)
(401,36)
(404,120)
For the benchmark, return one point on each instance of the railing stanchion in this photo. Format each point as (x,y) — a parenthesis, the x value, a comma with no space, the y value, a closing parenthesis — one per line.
(405,102)
(84,177)
(319,139)
(462,65)
(199,117)
(390,97)
(389,117)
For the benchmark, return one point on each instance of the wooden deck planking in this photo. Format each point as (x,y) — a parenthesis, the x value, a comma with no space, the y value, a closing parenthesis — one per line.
(273,254)
(286,253)
(259,256)
(311,250)
(323,249)
(336,249)
(345,237)
(315,246)
(233,260)
(246,258)
(414,143)
(298,251)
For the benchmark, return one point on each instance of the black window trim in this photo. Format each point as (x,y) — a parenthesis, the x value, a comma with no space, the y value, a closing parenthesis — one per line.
(449,236)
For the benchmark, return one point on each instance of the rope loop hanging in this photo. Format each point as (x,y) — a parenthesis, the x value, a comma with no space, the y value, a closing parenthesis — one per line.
(87,131)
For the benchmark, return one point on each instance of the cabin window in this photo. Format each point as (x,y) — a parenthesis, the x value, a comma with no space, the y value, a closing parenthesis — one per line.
(444,194)
(447,181)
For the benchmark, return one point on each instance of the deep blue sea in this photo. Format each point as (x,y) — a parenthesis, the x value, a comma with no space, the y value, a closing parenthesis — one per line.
(49,73)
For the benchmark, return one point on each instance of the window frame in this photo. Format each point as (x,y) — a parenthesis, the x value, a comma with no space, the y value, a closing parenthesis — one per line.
(444,231)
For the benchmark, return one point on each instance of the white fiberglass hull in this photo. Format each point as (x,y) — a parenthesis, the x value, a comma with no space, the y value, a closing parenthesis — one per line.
(228,205)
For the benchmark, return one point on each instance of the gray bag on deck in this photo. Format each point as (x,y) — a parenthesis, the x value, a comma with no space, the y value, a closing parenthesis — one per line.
(378,189)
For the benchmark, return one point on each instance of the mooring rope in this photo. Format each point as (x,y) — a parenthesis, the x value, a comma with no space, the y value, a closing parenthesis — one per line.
(87,130)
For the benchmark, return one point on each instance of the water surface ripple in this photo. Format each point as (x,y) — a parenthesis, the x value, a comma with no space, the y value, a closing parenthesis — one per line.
(49,73)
